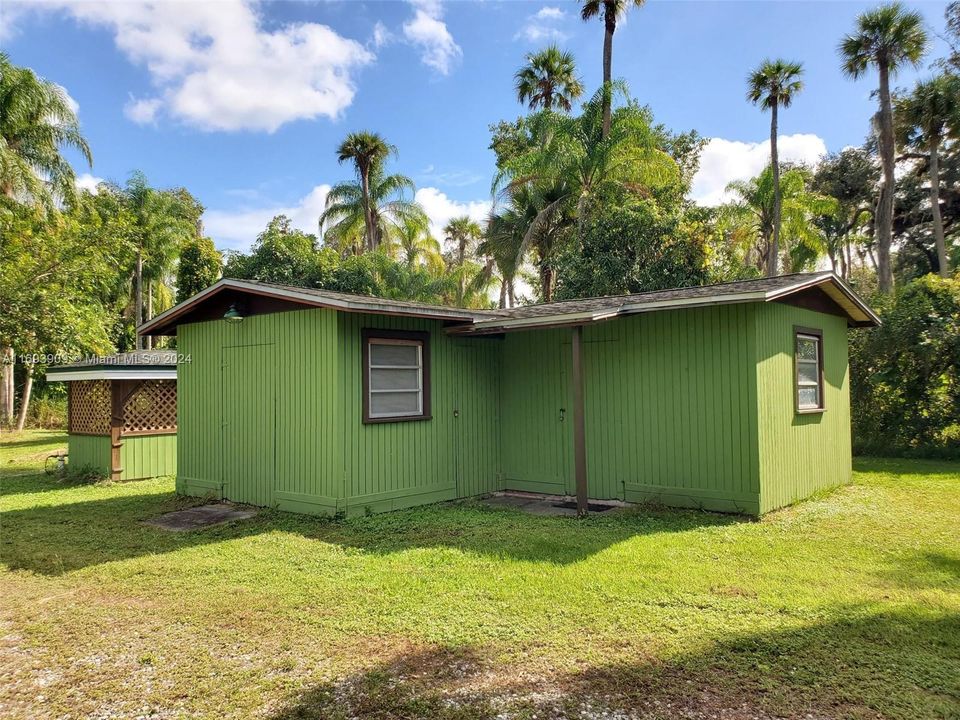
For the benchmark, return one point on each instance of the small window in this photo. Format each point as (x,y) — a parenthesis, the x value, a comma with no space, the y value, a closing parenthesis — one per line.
(396,376)
(809,369)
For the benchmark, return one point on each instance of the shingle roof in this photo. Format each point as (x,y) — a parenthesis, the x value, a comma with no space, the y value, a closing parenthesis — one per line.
(565,312)
(761,289)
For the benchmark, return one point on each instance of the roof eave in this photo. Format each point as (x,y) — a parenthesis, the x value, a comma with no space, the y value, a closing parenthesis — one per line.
(163,321)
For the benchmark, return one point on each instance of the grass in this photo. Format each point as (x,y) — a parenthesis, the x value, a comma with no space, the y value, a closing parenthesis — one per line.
(844,606)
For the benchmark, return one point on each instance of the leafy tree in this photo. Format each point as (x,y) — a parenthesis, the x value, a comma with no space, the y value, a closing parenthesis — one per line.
(629,245)
(553,181)
(548,78)
(905,387)
(887,38)
(926,118)
(774,83)
(380,199)
(281,254)
(55,271)
(850,177)
(754,208)
(36,125)
(199,267)
(610,10)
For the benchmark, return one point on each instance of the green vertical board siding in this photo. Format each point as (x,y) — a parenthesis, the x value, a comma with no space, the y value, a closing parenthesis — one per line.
(398,464)
(146,456)
(800,454)
(89,451)
(298,451)
(314,454)
(535,418)
(671,408)
(248,423)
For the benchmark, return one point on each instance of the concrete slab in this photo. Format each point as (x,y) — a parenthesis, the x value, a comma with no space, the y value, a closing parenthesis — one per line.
(545,505)
(199,517)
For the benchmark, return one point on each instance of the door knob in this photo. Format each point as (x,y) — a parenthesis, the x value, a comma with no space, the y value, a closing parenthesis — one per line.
(456,413)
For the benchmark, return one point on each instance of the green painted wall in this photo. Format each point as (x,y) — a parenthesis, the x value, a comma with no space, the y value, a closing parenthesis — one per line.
(687,407)
(89,451)
(800,454)
(303,370)
(670,409)
(145,456)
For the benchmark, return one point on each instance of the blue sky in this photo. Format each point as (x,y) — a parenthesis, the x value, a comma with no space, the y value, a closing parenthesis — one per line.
(243,103)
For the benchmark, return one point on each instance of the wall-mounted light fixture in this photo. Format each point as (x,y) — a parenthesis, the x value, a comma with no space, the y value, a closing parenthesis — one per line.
(233,315)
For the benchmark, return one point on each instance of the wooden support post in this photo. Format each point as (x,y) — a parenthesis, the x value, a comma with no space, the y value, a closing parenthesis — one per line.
(117,398)
(579,437)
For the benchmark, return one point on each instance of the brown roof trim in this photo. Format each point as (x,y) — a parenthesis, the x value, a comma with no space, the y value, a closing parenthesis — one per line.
(166,322)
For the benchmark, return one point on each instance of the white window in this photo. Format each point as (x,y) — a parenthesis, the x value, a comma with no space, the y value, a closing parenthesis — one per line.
(395,377)
(809,371)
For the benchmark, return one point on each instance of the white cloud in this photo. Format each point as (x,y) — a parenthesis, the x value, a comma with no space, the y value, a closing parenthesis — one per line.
(143,111)
(381,35)
(86,181)
(237,229)
(543,25)
(215,66)
(441,209)
(427,31)
(723,161)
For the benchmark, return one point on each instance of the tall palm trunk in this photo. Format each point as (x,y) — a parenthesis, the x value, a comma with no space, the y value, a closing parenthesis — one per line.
(25,398)
(370,239)
(138,301)
(546,282)
(148,340)
(774,253)
(609,27)
(885,206)
(6,386)
(503,294)
(938,235)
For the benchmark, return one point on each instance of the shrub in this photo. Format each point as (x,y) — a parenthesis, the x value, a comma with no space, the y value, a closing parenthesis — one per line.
(905,387)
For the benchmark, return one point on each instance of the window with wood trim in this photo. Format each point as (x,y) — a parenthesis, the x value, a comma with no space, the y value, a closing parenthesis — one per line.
(396,375)
(808,361)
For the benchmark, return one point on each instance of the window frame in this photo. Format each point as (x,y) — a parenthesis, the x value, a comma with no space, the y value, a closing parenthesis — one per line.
(406,337)
(816,334)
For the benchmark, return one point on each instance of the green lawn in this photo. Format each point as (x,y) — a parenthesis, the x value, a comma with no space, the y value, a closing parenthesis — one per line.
(844,606)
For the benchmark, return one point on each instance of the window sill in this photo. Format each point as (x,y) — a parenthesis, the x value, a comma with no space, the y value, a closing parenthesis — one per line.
(380,421)
(811,411)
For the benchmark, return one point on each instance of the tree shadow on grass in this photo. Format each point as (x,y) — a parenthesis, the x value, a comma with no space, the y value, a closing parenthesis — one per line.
(54,436)
(925,569)
(54,539)
(862,664)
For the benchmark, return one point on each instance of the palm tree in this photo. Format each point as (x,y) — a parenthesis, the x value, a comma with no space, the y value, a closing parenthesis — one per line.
(36,124)
(463,234)
(549,78)
(611,10)
(753,208)
(159,228)
(367,151)
(925,119)
(378,205)
(551,187)
(771,85)
(888,38)
(416,247)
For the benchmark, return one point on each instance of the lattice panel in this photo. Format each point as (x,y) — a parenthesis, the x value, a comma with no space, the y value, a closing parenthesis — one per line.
(152,407)
(90,407)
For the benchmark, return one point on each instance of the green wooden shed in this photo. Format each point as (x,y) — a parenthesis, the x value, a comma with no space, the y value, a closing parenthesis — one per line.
(122,413)
(731,397)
